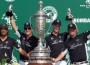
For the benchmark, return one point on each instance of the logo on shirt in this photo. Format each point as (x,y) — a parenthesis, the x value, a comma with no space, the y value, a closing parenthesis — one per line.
(27,44)
(4,47)
(57,42)
(60,37)
(77,40)
(52,38)
(60,41)
(6,42)
(75,45)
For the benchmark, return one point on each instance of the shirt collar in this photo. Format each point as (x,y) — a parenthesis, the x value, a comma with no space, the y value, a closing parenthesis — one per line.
(54,35)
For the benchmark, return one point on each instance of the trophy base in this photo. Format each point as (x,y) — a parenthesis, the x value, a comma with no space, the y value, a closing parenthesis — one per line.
(68,18)
(40,64)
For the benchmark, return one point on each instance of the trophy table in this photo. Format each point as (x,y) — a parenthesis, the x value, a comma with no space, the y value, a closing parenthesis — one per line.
(40,56)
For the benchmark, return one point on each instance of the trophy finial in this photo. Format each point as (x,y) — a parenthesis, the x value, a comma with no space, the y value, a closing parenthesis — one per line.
(41,4)
(69,11)
(10,8)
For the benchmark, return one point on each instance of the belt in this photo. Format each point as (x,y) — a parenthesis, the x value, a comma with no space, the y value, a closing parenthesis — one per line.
(24,60)
(80,62)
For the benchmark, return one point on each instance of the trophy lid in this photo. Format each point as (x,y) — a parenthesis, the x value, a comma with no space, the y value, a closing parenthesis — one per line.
(40,12)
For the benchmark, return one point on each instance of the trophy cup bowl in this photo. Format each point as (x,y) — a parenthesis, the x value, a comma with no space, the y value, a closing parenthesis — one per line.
(40,56)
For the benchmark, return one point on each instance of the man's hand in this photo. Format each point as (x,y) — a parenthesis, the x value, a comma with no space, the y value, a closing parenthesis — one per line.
(54,60)
(9,13)
(29,54)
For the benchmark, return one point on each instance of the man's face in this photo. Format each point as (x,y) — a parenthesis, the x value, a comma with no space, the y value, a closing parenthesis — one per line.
(56,28)
(72,32)
(28,31)
(4,32)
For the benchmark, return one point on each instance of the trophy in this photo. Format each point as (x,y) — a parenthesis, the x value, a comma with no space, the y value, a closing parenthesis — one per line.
(6,16)
(40,56)
(69,15)
(10,8)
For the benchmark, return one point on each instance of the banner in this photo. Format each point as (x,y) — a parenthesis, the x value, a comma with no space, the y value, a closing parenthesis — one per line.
(56,9)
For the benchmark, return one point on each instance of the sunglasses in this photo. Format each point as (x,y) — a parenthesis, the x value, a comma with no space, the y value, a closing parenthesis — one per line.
(4,28)
(71,30)
(56,25)
(27,28)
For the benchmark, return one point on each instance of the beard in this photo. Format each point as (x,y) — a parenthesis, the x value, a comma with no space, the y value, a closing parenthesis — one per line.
(3,34)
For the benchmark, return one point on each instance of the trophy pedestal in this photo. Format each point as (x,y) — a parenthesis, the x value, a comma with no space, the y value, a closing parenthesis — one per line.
(40,56)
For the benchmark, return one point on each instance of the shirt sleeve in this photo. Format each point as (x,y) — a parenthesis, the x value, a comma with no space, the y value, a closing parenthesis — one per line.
(18,33)
(65,51)
(15,44)
(86,34)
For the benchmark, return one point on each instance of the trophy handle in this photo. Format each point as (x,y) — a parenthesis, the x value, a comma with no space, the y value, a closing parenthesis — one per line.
(49,26)
(30,21)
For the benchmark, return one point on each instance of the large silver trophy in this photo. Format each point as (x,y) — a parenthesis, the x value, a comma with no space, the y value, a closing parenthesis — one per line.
(69,15)
(40,56)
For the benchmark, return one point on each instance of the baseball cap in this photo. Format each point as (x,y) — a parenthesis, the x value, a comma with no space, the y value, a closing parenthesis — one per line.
(72,26)
(3,26)
(56,22)
(27,26)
